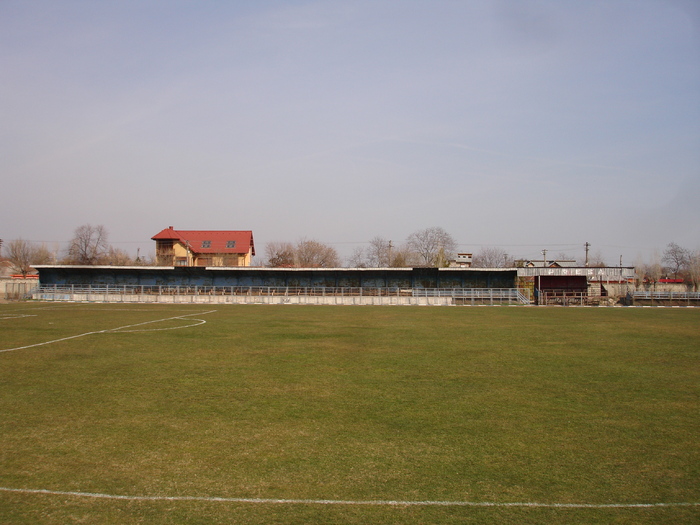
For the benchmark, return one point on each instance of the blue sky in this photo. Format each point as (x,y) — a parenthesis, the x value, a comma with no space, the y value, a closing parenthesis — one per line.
(525,125)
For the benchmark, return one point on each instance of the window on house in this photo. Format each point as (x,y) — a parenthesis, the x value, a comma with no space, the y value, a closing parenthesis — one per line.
(206,244)
(230,244)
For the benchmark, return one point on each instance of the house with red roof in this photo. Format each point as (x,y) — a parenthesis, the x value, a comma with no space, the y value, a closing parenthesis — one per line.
(204,247)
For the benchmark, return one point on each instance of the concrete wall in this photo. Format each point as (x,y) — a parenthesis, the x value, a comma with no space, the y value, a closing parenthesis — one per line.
(357,300)
(665,287)
(14,289)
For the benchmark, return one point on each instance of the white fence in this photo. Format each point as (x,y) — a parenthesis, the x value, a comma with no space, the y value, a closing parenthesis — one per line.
(666,298)
(570,298)
(334,295)
(282,295)
(667,295)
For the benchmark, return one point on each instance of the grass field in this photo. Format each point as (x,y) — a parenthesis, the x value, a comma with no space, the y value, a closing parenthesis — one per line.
(148,414)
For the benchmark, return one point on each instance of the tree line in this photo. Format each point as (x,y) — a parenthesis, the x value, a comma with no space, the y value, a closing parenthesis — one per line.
(676,262)
(89,246)
(429,247)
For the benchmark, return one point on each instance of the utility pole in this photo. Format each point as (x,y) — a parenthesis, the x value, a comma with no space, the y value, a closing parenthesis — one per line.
(587,245)
(544,258)
(390,247)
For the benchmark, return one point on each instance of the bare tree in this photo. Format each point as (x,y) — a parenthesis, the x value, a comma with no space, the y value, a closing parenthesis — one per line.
(41,254)
(358,258)
(693,269)
(304,254)
(19,252)
(653,271)
(144,260)
(492,257)
(434,246)
(314,254)
(676,257)
(23,254)
(597,260)
(379,253)
(640,272)
(89,245)
(118,257)
(403,257)
(279,254)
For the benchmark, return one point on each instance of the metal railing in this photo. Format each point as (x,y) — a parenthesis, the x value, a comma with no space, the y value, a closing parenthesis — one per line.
(570,298)
(458,295)
(666,296)
(499,295)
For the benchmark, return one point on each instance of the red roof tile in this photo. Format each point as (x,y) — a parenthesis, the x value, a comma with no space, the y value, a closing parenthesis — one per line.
(210,241)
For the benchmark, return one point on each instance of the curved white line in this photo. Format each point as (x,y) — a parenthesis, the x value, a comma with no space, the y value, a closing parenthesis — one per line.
(201,321)
(391,503)
(121,328)
(108,330)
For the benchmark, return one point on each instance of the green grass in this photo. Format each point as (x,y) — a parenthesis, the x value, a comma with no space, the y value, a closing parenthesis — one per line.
(502,405)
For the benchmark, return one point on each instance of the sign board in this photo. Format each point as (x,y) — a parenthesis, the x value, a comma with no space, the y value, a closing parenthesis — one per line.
(591,273)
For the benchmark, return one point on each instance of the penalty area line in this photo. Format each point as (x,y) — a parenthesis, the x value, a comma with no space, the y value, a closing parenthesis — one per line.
(387,503)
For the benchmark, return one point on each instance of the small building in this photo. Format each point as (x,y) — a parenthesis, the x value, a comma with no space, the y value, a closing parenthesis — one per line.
(463,260)
(565,281)
(546,264)
(204,247)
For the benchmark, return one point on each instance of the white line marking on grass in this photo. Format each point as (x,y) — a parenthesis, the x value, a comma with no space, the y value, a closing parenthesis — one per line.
(122,328)
(17,316)
(390,503)
(199,321)
(118,330)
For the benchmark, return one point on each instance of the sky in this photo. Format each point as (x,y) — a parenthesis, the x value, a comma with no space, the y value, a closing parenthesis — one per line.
(525,125)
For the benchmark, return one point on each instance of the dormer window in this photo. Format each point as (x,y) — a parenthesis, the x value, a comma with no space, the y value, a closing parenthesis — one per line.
(206,244)
(230,244)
